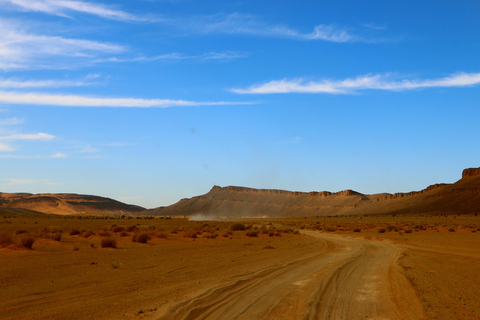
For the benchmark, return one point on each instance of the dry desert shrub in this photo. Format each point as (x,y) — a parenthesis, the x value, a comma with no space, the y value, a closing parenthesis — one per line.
(124,234)
(108,243)
(451,229)
(330,229)
(27,241)
(6,239)
(117,229)
(88,233)
(56,236)
(162,235)
(263,229)
(237,227)
(381,230)
(132,228)
(143,237)
(251,234)
(21,231)
(408,230)
(357,230)
(190,234)
(74,231)
(103,233)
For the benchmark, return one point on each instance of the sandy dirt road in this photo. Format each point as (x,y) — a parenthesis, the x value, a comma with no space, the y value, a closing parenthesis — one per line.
(345,279)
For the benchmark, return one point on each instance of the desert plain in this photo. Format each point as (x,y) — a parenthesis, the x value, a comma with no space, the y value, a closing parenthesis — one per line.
(397,266)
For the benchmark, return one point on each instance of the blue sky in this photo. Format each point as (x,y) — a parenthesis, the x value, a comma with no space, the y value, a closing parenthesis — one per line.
(151,101)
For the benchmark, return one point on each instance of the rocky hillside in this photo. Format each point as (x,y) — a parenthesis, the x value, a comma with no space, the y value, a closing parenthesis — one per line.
(460,197)
(66,204)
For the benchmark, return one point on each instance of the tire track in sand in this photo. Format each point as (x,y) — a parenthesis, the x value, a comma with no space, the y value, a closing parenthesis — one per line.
(347,279)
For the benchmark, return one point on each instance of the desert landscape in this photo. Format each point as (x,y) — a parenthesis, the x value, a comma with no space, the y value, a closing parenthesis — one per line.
(133,264)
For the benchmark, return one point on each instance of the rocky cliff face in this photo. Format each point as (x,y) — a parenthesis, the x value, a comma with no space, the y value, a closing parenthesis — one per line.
(460,197)
(471,172)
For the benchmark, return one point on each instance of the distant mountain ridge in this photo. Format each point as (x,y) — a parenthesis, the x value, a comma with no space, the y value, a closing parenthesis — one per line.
(462,196)
(66,204)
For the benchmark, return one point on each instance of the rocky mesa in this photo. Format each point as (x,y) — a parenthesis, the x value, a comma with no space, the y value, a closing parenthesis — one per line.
(460,197)
(66,204)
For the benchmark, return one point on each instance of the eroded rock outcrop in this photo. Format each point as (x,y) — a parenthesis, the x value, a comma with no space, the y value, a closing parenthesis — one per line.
(471,172)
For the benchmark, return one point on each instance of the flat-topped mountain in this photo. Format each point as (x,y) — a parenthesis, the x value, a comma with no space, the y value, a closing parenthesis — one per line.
(66,204)
(460,197)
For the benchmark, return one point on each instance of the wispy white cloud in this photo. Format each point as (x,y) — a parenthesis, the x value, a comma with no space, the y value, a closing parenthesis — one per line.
(210,56)
(12,182)
(57,155)
(15,83)
(22,136)
(11,121)
(6,148)
(85,101)
(88,149)
(21,49)
(64,7)
(117,144)
(237,23)
(366,82)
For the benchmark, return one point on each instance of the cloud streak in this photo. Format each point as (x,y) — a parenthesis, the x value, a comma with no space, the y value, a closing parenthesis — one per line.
(57,155)
(210,56)
(14,83)
(20,49)
(85,101)
(353,85)
(22,136)
(237,23)
(63,7)
(11,121)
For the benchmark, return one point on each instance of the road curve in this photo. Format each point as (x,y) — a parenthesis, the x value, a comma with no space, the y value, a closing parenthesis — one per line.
(346,279)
